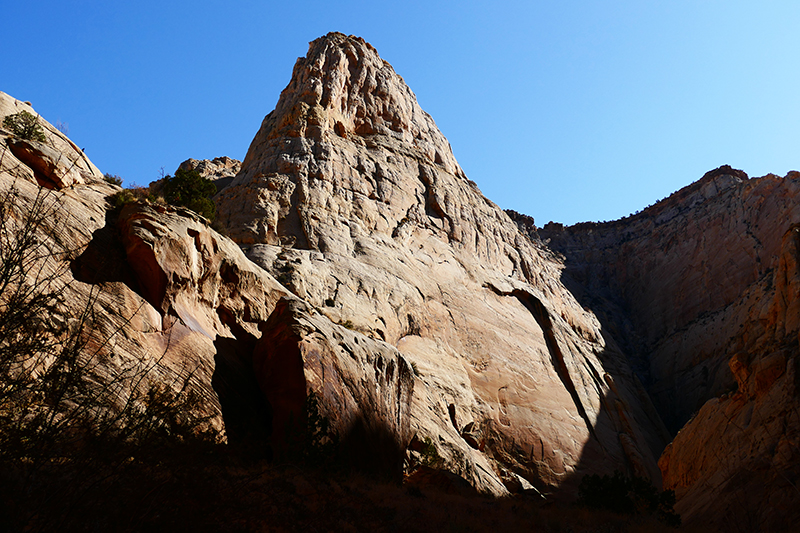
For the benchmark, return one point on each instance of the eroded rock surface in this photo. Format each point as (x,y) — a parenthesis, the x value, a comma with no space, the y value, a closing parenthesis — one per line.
(703,287)
(351,197)
(220,170)
(178,305)
(367,272)
(57,163)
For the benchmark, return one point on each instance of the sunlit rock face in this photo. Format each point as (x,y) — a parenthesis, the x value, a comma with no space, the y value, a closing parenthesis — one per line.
(703,287)
(351,197)
(130,317)
(174,304)
(56,163)
(220,170)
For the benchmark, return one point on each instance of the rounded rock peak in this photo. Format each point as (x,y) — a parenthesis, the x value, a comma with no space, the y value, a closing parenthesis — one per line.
(343,88)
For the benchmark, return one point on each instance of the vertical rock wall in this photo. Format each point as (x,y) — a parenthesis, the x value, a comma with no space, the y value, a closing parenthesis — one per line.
(351,197)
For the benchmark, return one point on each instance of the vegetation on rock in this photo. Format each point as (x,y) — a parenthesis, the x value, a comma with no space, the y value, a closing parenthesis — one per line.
(25,126)
(635,495)
(186,189)
(74,418)
(113,179)
(189,189)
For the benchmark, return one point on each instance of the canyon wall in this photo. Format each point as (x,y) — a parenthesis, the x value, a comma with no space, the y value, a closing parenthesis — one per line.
(351,197)
(703,289)
(355,275)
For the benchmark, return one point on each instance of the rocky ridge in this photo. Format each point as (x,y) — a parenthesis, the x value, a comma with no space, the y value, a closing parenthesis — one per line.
(220,170)
(177,301)
(703,288)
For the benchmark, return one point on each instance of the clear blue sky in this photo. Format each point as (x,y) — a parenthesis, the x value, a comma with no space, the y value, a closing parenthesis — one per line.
(563,110)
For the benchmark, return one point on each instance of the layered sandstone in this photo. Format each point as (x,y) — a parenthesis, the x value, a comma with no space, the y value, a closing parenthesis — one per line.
(368,274)
(57,163)
(704,289)
(351,197)
(177,305)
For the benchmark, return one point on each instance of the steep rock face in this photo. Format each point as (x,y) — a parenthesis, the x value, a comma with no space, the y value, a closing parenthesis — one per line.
(352,198)
(58,163)
(704,288)
(362,388)
(135,343)
(173,303)
(673,280)
(738,460)
(250,330)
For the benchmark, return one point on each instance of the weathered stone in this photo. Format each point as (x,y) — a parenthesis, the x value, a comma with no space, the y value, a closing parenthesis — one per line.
(220,170)
(351,197)
(57,163)
(362,387)
(705,290)
(46,162)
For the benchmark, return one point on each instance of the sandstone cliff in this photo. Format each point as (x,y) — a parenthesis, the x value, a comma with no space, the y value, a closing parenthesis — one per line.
(703,289)
(361,273)
(351,197)
(415,312)
(176,305)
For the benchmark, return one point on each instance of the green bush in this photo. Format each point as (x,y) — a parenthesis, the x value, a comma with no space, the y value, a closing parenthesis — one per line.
(430,456)
(620,494)
(25,126)
(189,189)
(74,415)
(113,179)
(134,193)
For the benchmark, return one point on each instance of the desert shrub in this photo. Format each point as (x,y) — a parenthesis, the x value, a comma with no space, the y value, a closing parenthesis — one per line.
(25,126)
(73,415)
(430,456)
(189,189)
(621,494)
(113,179)
(134,193)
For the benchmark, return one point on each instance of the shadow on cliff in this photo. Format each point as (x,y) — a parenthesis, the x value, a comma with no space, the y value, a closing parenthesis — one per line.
(104,259)
(245,411)
(621,436)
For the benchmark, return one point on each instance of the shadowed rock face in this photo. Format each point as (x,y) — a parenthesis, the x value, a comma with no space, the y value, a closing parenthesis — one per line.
(366,271)
(176,302)
(351,197)
(703,287)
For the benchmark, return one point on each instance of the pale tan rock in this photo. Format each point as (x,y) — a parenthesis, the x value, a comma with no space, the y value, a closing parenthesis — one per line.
(58,161)
(220,170)
(129,343)
(363,387)
(46,162)
(187,269)
(351,197)
(710,285)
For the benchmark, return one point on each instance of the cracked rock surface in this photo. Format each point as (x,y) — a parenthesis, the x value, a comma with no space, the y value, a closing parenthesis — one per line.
(351,197)
(704,289)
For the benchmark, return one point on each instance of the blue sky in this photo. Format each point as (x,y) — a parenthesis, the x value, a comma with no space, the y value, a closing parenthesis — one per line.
(565,111)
